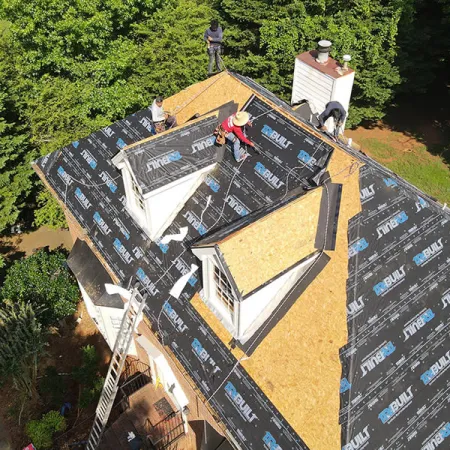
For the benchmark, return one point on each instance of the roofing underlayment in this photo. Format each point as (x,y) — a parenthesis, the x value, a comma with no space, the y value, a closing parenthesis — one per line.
(165,158)
(92,275)
(394,390)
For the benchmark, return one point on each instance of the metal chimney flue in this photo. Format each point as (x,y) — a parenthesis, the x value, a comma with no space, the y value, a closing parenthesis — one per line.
(323,49)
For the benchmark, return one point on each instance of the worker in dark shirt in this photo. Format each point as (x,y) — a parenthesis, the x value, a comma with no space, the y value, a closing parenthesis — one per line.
(213,38)
(336,110)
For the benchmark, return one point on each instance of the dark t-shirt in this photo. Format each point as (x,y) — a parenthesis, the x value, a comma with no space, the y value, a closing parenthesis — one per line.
(215,35)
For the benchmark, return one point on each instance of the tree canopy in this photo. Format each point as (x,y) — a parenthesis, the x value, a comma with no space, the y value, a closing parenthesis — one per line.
(68,68)
(44,281)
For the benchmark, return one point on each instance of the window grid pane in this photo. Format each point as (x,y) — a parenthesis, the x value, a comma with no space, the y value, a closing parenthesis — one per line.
(223,289)
(137,196)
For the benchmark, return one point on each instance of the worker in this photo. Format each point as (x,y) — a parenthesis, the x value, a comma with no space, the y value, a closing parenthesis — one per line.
(160,118)
(336,110)
(213,38)
(231,130)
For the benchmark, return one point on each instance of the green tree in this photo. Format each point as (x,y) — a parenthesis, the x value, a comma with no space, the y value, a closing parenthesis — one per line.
(16,175)
(173,55)
(49,212)
(43,280)
(22,342)
(264,39)
(41,431)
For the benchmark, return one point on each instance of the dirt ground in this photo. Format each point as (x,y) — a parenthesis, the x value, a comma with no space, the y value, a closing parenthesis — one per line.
(25,243)
(65,354)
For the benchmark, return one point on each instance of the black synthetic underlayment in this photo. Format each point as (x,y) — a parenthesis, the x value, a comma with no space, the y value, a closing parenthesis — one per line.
(85,179)
(285,305)
(91,274)
(164,159)
(329,216)
(373,320)
(396,384)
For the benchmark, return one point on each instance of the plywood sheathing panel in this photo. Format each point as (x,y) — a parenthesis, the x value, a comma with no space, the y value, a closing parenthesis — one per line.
(297,365)
(263,249)
(207,95)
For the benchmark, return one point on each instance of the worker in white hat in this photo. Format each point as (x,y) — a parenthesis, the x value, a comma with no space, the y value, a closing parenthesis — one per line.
(231,130)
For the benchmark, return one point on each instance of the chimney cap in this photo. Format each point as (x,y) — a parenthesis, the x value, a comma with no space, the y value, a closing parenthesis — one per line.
(325,44)
(347,58)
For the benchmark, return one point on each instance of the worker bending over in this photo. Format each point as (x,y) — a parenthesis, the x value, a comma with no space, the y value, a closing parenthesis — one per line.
(336,110)
(213,38)
(231,130)
(160,118)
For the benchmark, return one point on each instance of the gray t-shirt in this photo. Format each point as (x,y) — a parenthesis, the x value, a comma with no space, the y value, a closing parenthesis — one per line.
(215,35)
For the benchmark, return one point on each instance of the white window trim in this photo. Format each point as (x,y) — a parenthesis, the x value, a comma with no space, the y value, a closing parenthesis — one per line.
(230,320)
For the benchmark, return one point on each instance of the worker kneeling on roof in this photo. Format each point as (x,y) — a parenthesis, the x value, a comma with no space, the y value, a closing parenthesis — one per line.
(160,118)
(337,111)
(231,130)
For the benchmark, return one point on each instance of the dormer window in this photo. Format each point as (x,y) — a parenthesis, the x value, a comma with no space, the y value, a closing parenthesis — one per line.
(223,290)
(161,173)
(249,279)
(138,196)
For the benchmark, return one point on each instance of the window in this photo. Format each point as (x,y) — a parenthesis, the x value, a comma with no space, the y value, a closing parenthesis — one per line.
(116,322)
(137,196)
(223,290)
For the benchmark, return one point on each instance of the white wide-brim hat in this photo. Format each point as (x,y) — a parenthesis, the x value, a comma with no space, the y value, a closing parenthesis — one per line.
(241,118)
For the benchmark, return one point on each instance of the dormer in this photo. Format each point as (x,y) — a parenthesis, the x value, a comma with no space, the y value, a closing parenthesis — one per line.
(251,268)
(162,172)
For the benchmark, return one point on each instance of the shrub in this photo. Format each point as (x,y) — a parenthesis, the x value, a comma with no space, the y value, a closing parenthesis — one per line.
(91,395)
(41,431)
(87,375)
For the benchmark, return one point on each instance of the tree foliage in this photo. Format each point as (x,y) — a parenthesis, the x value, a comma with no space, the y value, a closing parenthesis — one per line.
(16,175)
(88,377)
(68,68)
(41,431)
(22,342)
(44,281)
(49,212)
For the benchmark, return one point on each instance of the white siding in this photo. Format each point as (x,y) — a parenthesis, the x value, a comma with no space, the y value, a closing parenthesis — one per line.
(257,308)
(162,370)
(163,204)
(312,85)
(319,88)
(107,320)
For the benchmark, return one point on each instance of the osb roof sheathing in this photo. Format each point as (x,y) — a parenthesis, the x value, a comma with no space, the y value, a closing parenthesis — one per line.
(267,247)
(297,365)
(207,95)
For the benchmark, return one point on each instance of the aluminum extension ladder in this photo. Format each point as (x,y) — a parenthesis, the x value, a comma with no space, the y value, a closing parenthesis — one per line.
(123,341)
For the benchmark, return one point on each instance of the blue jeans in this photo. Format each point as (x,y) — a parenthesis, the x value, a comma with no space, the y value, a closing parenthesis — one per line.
(235,143)
(214,54)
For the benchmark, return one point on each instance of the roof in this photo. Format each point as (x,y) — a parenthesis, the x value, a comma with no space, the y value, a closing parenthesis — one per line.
(255,254)
(162,159)
(90,273)
(292,381)
(331,68)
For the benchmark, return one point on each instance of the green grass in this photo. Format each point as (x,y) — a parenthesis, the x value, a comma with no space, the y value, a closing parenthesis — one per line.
(429,173)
